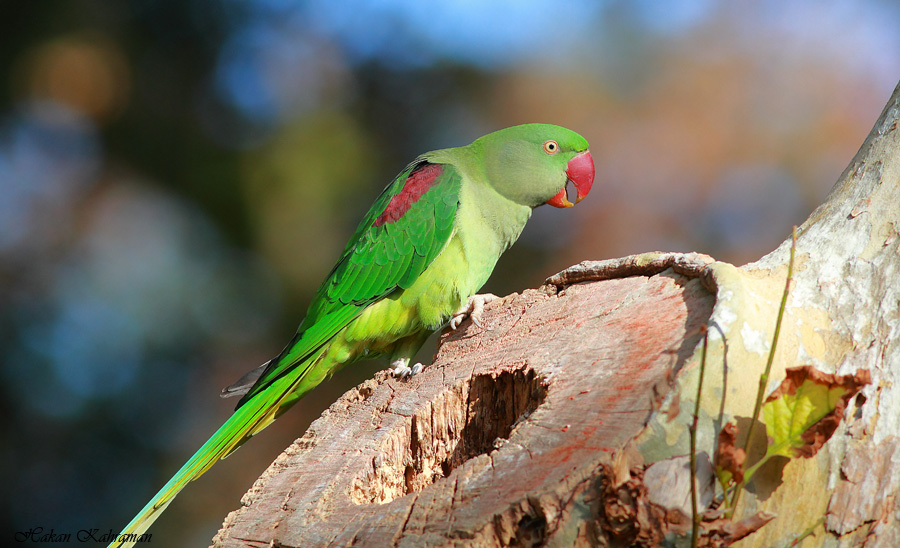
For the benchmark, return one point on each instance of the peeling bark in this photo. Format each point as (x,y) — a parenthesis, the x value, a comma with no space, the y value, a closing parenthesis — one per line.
(538,430)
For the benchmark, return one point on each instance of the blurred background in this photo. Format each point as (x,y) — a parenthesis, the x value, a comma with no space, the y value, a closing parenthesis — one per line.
(177,176)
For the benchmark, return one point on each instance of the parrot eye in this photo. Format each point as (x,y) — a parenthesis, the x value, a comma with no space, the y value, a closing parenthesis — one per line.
(551,147)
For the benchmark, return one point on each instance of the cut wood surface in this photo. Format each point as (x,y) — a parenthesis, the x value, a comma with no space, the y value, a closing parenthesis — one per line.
(503,440)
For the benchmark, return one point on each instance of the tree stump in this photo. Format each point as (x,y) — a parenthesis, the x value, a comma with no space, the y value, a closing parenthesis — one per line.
(502,441)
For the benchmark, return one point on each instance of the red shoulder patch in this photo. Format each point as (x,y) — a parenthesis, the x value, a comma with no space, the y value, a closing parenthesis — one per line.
(417,184)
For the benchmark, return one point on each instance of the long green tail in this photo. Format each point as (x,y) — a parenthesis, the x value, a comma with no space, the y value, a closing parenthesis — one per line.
(250,418)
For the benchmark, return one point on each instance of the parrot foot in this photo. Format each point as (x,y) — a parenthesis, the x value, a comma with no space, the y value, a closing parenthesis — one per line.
(400,368)
(473,309)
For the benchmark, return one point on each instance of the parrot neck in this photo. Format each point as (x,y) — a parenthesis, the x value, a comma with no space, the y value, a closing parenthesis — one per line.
(497,216)
(488,224)
(483,210)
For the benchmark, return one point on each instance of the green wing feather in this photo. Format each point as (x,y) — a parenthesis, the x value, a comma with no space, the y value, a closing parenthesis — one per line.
(376,261)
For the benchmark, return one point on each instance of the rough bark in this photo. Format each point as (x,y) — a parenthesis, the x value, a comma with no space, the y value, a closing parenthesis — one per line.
(566,422)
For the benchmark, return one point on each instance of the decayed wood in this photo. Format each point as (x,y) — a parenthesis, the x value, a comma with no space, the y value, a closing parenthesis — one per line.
(506,440)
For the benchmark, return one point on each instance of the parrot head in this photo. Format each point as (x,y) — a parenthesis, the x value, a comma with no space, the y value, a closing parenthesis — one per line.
(532,164)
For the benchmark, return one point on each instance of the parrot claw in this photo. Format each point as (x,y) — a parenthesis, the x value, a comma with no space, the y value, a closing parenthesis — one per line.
(400,368)
(473,309)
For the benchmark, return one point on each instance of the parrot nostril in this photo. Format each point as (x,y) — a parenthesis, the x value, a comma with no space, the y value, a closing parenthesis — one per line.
(488,408)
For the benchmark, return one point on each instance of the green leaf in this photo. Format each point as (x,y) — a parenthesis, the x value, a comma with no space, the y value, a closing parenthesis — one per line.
(804,411)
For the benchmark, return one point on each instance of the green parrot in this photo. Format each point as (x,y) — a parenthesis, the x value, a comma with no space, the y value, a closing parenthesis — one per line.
(414,264)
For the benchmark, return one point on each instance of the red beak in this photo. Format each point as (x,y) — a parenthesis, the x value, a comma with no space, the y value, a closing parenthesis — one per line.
(580,172)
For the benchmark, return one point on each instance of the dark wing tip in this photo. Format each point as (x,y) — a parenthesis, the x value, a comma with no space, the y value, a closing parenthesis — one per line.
(245,383)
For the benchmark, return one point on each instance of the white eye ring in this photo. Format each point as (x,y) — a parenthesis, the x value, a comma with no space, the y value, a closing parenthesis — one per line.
(551,147)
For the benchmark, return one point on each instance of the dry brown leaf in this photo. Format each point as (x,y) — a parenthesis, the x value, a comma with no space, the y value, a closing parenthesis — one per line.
(730,458)
(724,532)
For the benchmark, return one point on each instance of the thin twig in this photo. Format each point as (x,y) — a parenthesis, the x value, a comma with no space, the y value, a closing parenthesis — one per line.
(810,530)
(695,515)
(764,378)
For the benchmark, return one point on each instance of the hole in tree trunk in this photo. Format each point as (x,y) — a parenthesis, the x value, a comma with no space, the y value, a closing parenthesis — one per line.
(465,421)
